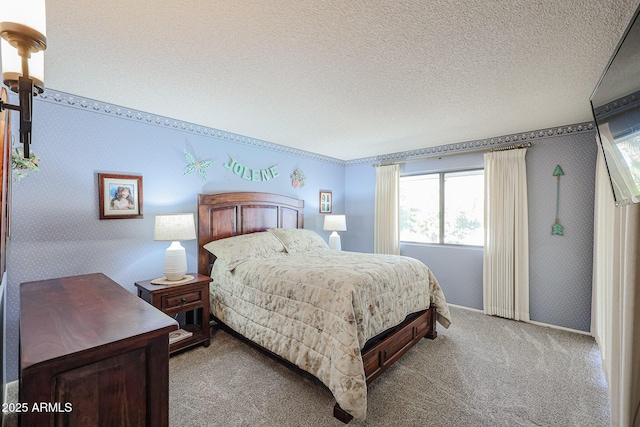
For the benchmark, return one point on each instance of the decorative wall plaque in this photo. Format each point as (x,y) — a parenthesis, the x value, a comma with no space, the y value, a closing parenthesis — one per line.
(557,229)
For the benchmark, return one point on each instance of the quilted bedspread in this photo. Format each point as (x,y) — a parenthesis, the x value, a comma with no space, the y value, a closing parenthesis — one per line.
(318,309)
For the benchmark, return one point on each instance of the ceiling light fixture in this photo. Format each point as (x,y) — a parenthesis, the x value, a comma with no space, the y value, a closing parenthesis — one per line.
(23,28)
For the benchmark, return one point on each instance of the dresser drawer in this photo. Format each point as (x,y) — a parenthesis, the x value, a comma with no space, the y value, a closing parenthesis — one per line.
(170,302)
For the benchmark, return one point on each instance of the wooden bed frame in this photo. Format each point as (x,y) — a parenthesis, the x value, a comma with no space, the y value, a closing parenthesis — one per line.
(229,214)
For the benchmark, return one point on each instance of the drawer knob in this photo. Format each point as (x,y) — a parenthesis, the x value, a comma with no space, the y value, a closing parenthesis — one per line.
(184,299)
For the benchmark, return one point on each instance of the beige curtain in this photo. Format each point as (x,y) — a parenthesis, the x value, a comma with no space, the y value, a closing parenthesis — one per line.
(506,244)
(386,233)
(615,314)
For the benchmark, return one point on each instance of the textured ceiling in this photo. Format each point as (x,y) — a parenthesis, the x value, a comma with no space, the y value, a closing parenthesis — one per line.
(347,79)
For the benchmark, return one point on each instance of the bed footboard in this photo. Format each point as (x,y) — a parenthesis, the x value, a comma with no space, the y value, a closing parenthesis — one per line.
(383,353)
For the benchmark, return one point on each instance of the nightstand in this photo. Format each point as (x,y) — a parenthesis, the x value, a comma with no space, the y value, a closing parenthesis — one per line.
(191,298)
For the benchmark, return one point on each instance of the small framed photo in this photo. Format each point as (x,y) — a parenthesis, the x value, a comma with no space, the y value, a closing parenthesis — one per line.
(120,196)
(325,202)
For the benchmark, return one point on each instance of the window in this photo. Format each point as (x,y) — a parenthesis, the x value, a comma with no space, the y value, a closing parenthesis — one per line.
(443,208)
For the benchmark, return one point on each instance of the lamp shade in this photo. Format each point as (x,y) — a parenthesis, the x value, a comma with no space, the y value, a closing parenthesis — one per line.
(28,13)
(335,223)
(174,227)
(12,67)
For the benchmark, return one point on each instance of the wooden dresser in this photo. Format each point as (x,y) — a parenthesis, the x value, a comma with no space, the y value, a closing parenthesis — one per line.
(91,354)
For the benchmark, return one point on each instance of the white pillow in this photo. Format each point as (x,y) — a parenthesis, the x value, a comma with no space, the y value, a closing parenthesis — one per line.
(234,250)
(299,239)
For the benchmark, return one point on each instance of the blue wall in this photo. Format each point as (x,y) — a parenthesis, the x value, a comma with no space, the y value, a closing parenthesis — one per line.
(55,225)
(560,266)
(56,230)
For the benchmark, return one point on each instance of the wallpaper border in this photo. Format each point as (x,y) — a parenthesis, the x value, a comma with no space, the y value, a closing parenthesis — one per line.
(628,101)
(470,146)
(68,100)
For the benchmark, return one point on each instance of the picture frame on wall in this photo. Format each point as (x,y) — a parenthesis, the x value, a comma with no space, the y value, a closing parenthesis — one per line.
(120,196)
(325,202)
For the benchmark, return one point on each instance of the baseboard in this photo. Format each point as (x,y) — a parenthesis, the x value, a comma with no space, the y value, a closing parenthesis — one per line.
(533,322)
(465,308)
(562,328)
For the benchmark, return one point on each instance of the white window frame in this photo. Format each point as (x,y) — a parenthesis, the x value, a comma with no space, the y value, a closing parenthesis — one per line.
(441,207)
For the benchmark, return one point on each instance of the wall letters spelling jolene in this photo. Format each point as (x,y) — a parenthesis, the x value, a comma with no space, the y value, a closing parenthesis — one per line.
(251,174)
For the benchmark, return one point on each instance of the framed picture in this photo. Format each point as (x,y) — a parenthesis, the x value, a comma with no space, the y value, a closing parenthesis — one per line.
(120,196)
(325,202)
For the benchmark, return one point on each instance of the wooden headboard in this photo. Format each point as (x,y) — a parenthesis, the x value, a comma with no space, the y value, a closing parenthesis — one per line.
(230,214)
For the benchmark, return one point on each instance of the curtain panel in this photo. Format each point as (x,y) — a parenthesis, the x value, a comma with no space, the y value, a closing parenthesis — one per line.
(615,313)
(386,233)
(506,243)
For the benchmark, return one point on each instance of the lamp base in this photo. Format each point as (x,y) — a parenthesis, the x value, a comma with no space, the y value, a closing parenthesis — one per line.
(334,241)
(175,262)
(163,280)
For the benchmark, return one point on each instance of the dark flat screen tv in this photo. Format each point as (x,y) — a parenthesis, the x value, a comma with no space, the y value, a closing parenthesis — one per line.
(615,103)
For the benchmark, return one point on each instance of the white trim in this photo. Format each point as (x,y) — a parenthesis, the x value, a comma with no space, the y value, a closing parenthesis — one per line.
(562,328)
(465,308)
(533,322)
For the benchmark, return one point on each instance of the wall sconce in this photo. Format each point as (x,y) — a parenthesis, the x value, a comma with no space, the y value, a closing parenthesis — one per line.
(23,31)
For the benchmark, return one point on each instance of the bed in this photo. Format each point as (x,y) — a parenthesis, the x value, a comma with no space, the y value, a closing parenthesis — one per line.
(324,318)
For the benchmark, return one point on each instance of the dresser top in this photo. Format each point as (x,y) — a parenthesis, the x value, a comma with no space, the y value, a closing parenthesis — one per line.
(68,315)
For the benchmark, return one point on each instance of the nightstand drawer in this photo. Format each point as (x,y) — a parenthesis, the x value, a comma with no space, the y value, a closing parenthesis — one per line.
(176,301)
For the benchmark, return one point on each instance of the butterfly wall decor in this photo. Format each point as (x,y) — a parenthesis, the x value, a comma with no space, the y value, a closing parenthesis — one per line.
(194,164)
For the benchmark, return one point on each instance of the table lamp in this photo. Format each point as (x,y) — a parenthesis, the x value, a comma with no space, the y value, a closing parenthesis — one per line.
(335,223)
(174,228)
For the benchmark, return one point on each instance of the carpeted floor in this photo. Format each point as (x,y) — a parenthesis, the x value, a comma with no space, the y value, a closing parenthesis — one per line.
(482,371)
